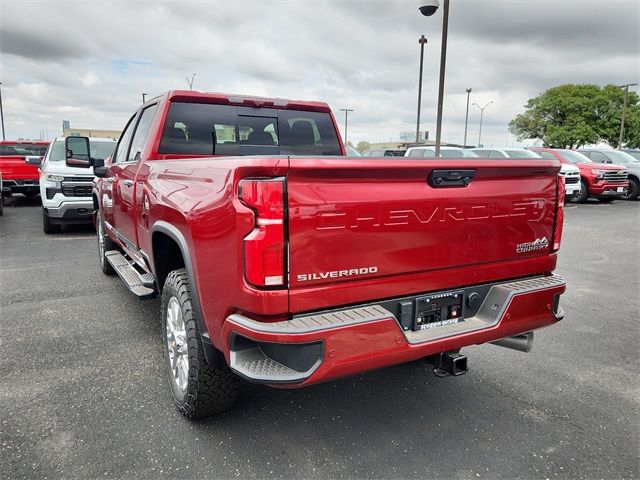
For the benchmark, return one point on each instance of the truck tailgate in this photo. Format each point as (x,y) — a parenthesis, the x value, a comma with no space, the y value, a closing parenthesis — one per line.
(373,221)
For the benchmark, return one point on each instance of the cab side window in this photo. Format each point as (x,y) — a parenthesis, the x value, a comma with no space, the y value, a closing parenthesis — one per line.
(142,132)
(599,157)
(496,154)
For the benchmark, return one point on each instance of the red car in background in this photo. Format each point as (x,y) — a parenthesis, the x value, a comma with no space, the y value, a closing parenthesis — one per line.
(604,182)
(18,175)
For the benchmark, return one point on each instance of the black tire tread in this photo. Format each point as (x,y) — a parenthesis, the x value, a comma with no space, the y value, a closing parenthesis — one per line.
(47,226)
(584,193)
(210,390)
(634,190)
(109,244)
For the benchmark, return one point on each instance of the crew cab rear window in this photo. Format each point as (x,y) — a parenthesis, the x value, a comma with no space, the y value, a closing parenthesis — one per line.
(209,129)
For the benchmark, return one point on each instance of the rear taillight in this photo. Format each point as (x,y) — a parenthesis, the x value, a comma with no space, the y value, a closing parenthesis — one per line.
(557,229)
(264,247)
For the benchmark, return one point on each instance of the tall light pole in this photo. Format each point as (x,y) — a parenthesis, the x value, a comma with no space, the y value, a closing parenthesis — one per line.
(466,118)
(190,82)
(346,122)
(428,8)
(144,98)
(624,110)
(481,116)
(1,112)
(422,41)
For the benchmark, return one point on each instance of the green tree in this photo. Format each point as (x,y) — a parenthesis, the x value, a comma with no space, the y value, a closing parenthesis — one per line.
(363,146)
(609,105)
(570,116)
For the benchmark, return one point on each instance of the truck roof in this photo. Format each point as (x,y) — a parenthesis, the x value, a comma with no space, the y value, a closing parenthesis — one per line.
(190,96)
(92,139)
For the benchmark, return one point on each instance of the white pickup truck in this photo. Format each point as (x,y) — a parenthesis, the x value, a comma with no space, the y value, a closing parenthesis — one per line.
(66,191)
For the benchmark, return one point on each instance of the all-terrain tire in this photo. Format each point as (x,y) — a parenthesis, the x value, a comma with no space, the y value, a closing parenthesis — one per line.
(47,226)
(209,390)
(633,190)
(583,196)
(104,245)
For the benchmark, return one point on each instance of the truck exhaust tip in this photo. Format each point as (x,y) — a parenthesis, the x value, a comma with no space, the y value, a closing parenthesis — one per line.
(521,343)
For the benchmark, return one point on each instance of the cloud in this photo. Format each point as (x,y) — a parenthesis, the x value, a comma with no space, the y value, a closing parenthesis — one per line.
(27,44)
(90,79)
(350,53)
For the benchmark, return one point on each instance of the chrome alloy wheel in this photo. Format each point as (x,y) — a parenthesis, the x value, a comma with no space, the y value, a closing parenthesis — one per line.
(177,348)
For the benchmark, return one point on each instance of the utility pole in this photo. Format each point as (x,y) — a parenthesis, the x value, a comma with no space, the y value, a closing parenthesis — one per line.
(466,119)
(624,111)
(2,113)
(346,122)
(190,82)
(443,63)
(144,98)
(481,116)
(422,40)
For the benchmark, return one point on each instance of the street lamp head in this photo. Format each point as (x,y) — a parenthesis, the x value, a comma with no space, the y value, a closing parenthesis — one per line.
(468,90)
(428,7)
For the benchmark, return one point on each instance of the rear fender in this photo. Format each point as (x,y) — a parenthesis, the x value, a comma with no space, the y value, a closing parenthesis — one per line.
(212,355)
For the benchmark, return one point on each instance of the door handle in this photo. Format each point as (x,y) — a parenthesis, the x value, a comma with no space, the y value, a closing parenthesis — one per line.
(451,178)
(127,183)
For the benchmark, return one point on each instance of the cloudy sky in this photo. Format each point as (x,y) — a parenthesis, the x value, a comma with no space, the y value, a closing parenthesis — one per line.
(89,61)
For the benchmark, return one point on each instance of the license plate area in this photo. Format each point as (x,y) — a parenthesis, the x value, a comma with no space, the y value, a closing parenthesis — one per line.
(433,311)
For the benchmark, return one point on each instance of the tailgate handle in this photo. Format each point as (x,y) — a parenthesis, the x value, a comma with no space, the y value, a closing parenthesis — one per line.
(450,178)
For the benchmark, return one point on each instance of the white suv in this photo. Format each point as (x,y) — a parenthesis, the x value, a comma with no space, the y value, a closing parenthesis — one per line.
(571,173)
(445,152)
(66,191)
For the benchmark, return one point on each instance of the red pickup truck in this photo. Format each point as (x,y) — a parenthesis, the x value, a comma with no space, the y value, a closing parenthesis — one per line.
(18,176)
(281,261)
(604,182)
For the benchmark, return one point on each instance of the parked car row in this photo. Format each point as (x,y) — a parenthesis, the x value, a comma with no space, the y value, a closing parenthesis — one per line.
(33,168)
(618,176)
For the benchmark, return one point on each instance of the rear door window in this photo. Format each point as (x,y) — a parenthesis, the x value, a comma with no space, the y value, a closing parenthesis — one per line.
(209,129)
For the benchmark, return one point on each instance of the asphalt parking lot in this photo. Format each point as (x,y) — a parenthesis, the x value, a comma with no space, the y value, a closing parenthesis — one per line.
(83,392)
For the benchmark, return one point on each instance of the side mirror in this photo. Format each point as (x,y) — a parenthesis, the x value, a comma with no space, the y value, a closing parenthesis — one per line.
(33,160)
(78,152)
(608,161)
(99,169)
